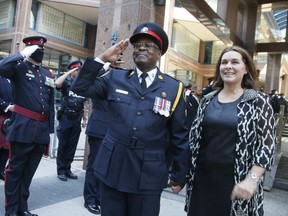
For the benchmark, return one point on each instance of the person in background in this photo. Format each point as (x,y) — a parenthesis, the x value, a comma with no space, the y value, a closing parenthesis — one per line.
(282,101)
(146,108)
(96,130)
(192,99)
(207,89)
(69,116)
(6,108)
(274,96)
(232,142)
(31,123)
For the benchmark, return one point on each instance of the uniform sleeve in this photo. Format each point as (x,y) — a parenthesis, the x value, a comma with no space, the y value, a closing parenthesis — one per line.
(179,142)
(266,134)
(85,83)
(8,65)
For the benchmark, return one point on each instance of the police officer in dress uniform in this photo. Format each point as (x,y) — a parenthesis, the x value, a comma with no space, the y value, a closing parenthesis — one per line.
(69,116)
(32,121)
(6,108)
(132,162)
(95,131)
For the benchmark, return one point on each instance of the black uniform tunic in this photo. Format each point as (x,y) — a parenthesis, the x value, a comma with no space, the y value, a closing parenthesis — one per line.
(214,173)
(33,89)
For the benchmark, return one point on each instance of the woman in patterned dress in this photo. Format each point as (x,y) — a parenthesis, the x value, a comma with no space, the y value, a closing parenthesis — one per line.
(232,142)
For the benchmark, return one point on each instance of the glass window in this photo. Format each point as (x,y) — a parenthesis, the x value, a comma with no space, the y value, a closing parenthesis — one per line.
(271,23)
(7,13)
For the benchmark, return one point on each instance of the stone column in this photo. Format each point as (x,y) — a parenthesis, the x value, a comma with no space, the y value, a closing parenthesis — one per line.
(273,72)
(22,17)
(119,18)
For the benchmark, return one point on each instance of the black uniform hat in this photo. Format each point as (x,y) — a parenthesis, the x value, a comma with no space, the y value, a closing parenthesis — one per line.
(154,31)
(34,40)
(74,64)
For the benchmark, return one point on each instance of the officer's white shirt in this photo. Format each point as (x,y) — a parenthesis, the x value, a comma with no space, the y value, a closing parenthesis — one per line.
(150,78)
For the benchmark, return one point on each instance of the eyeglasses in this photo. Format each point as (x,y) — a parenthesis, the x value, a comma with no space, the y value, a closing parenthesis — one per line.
(145,45)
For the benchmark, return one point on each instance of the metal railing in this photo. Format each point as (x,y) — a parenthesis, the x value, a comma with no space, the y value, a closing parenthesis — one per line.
(280,121)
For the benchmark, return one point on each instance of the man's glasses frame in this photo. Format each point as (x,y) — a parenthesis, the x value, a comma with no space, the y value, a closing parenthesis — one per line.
(147,45)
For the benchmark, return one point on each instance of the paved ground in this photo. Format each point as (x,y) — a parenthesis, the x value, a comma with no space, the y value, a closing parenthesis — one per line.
(50,196)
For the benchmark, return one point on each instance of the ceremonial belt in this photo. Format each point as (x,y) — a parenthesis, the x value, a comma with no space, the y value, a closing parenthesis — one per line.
(29,113)
(134,142)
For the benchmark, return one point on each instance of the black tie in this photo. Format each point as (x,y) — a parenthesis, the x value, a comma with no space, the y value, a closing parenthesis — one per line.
(143,83)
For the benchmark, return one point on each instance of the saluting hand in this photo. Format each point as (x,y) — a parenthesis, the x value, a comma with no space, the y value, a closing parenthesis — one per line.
(29,50)
(115,52)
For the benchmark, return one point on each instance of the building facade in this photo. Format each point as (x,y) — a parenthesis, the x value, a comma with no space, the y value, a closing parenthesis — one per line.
(198,31)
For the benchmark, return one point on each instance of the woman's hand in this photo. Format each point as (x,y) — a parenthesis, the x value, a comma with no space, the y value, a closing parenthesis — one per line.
(244,190)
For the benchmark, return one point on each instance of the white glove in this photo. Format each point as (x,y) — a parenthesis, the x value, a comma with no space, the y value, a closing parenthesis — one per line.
(29,50)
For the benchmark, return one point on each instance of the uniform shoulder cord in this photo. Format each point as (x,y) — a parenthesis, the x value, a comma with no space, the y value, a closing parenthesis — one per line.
(179,93)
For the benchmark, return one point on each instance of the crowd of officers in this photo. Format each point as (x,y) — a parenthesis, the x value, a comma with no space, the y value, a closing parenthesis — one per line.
(27,105)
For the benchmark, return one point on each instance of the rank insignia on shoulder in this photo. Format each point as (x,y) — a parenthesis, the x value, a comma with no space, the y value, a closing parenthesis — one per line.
(131,73)
(160,77)
(162,106)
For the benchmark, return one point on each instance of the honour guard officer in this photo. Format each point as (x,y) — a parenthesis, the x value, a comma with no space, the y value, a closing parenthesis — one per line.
(144,122)
(96,130)
(6,108)
(32,121)
(69,117)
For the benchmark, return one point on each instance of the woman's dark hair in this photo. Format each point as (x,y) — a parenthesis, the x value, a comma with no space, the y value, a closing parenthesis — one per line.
(250,80)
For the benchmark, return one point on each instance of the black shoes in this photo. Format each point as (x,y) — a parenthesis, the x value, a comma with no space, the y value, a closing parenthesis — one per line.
(93,208)
(26,213)
(68,174)
(71,175)
(62,177)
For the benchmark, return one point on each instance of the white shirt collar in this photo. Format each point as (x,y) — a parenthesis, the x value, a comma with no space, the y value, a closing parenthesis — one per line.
(151,75)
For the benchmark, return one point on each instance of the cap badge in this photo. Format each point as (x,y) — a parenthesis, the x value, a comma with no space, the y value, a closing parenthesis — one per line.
(144,30)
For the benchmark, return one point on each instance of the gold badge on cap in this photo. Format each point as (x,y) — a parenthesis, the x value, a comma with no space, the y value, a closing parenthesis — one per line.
(163,94)
(144,30)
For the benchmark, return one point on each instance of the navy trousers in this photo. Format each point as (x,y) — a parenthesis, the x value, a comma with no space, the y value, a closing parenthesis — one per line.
(92,184)
(23,162)
(119,203)
(68,133)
